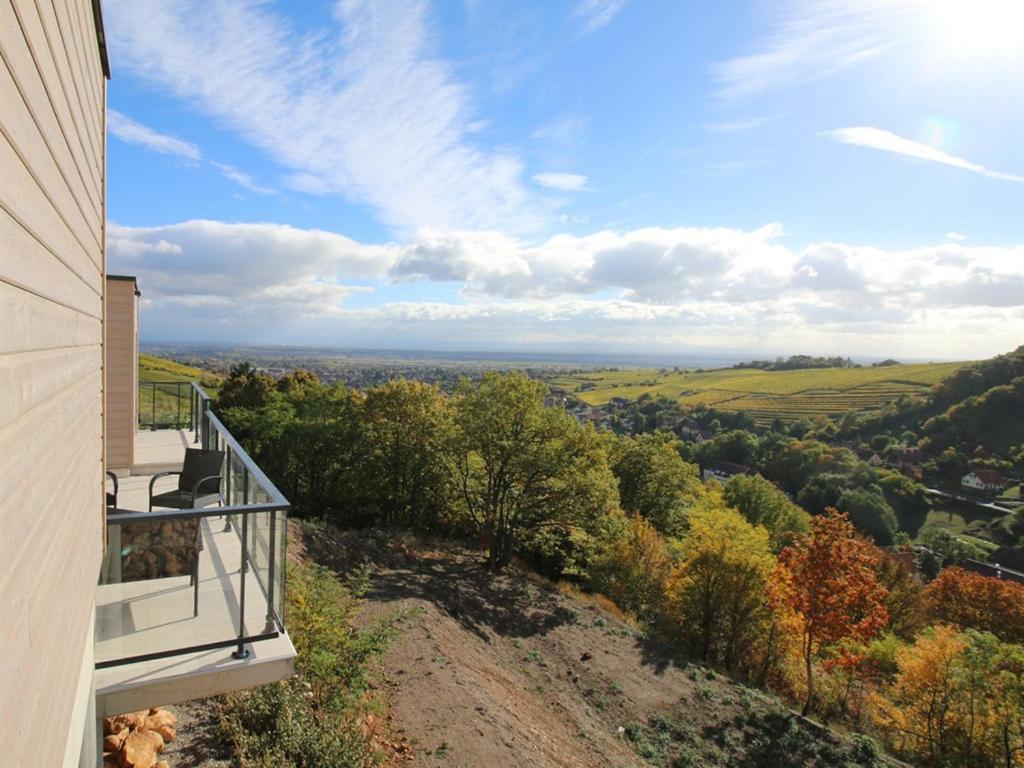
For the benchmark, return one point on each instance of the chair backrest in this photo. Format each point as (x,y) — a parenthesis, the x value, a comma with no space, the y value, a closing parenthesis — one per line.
(199,464)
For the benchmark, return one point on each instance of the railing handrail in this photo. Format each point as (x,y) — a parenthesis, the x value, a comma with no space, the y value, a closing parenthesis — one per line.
(277,498)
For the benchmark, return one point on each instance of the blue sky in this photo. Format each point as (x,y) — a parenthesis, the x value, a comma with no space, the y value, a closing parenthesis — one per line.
(831,177)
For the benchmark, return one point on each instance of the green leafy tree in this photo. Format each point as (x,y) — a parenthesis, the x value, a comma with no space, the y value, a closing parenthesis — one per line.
(519,467)
(761,503)
(870,512)
(406,439)
(654,481)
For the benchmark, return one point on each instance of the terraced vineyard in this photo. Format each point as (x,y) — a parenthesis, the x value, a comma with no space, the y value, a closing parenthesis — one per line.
(766,395)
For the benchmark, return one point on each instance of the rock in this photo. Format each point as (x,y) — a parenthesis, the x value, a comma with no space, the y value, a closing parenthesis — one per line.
(586,656)
(112,742)
(167,731)
(162,764)
(140,749)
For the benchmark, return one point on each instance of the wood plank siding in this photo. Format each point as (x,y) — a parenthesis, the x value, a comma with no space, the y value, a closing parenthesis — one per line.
(121,366)
(52,265)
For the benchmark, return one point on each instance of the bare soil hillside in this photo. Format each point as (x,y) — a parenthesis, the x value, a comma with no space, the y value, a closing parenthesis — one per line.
(504,670)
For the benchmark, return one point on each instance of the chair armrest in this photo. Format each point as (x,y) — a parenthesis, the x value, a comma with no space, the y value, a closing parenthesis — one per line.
(156,477)
(200,481)
(113,477)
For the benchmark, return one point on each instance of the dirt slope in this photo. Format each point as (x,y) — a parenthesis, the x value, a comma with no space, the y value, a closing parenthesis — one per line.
(500,670)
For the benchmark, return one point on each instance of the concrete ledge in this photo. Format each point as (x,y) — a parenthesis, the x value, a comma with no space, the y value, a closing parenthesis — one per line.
(173,680)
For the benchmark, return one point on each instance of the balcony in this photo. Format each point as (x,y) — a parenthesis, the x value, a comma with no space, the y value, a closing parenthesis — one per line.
(190,602)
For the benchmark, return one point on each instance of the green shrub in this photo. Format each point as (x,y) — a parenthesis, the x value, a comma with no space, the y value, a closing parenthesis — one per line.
(311,720)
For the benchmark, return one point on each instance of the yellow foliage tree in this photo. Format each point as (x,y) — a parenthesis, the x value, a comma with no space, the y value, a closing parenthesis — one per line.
(716,601)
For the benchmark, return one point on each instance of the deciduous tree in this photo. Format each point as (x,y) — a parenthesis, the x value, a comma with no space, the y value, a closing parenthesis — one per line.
(833,587)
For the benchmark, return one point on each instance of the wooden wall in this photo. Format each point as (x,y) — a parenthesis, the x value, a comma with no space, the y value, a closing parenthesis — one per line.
(52,150)
(121,366)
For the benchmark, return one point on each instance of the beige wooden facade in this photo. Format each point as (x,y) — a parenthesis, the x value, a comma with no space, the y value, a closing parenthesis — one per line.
(121,370)
(52,203)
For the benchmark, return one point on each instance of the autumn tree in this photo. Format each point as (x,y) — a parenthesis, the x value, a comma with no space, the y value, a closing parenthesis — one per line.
(761,503)
(654,481)
(957,699)
(919,710)
(632,565)
(832,585)
(716,601)
(969,599)
(519,467)
(406,437)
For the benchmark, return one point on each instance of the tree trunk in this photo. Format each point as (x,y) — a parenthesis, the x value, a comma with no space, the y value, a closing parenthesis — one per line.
(810,681)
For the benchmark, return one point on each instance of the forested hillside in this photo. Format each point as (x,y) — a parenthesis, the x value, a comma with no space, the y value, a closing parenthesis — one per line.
(780,581)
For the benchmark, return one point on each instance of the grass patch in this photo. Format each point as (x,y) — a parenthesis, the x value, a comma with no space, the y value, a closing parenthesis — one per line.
(766,395)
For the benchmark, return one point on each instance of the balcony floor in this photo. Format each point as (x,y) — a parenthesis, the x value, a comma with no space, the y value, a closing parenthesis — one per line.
(155,615)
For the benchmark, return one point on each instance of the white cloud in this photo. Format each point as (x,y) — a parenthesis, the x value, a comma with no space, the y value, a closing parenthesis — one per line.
(364,109)
(887,141)
(567,182)
(132,132)
(956,237)
(594,14)
(684,286)
(563,130)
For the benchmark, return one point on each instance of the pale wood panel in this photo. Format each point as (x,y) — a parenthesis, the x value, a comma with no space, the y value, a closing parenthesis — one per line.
(23,199)
(30,265)
(53,577)
(24,83)
(92,69)
(25,138)
(68,34)
(37,452)
(30,378)
(22,31)
(29,322)
(44,28)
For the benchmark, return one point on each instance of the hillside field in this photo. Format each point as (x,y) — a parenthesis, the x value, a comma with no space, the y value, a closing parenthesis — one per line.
(766,395)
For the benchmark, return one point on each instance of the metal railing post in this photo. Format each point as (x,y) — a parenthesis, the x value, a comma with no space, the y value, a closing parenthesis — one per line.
(245,500)
(270,572)
(227,489)
(152,411)
(241,652)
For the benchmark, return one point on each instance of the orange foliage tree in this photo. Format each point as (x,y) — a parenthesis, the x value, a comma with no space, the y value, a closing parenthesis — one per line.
(830,582)
(969,599)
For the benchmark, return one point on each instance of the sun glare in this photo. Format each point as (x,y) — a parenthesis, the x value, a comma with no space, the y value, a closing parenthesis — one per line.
(979,26)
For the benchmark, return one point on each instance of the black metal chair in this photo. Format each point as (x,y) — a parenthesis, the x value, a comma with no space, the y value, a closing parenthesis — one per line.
(112,497)
(198,482)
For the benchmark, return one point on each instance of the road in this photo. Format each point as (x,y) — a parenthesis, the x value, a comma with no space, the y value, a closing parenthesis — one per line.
(970,500)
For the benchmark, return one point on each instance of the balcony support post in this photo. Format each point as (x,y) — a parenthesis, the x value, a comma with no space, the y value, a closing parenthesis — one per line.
(227,491)
(241,652)
(270,572)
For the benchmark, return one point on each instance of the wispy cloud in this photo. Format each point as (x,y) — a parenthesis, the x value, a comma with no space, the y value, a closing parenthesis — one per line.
(567,182)
(738,126)
(887,141)
(241,178)
(132,132)
(595,14)
(810,41)
(364,108)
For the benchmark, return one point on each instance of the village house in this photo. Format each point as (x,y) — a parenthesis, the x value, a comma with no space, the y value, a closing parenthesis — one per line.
(721,471)
(984,480)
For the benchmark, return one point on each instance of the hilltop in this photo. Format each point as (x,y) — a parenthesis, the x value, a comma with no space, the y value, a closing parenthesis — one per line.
(766,395)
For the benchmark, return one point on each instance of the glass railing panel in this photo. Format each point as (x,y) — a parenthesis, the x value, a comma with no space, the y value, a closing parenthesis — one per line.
(174,581)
